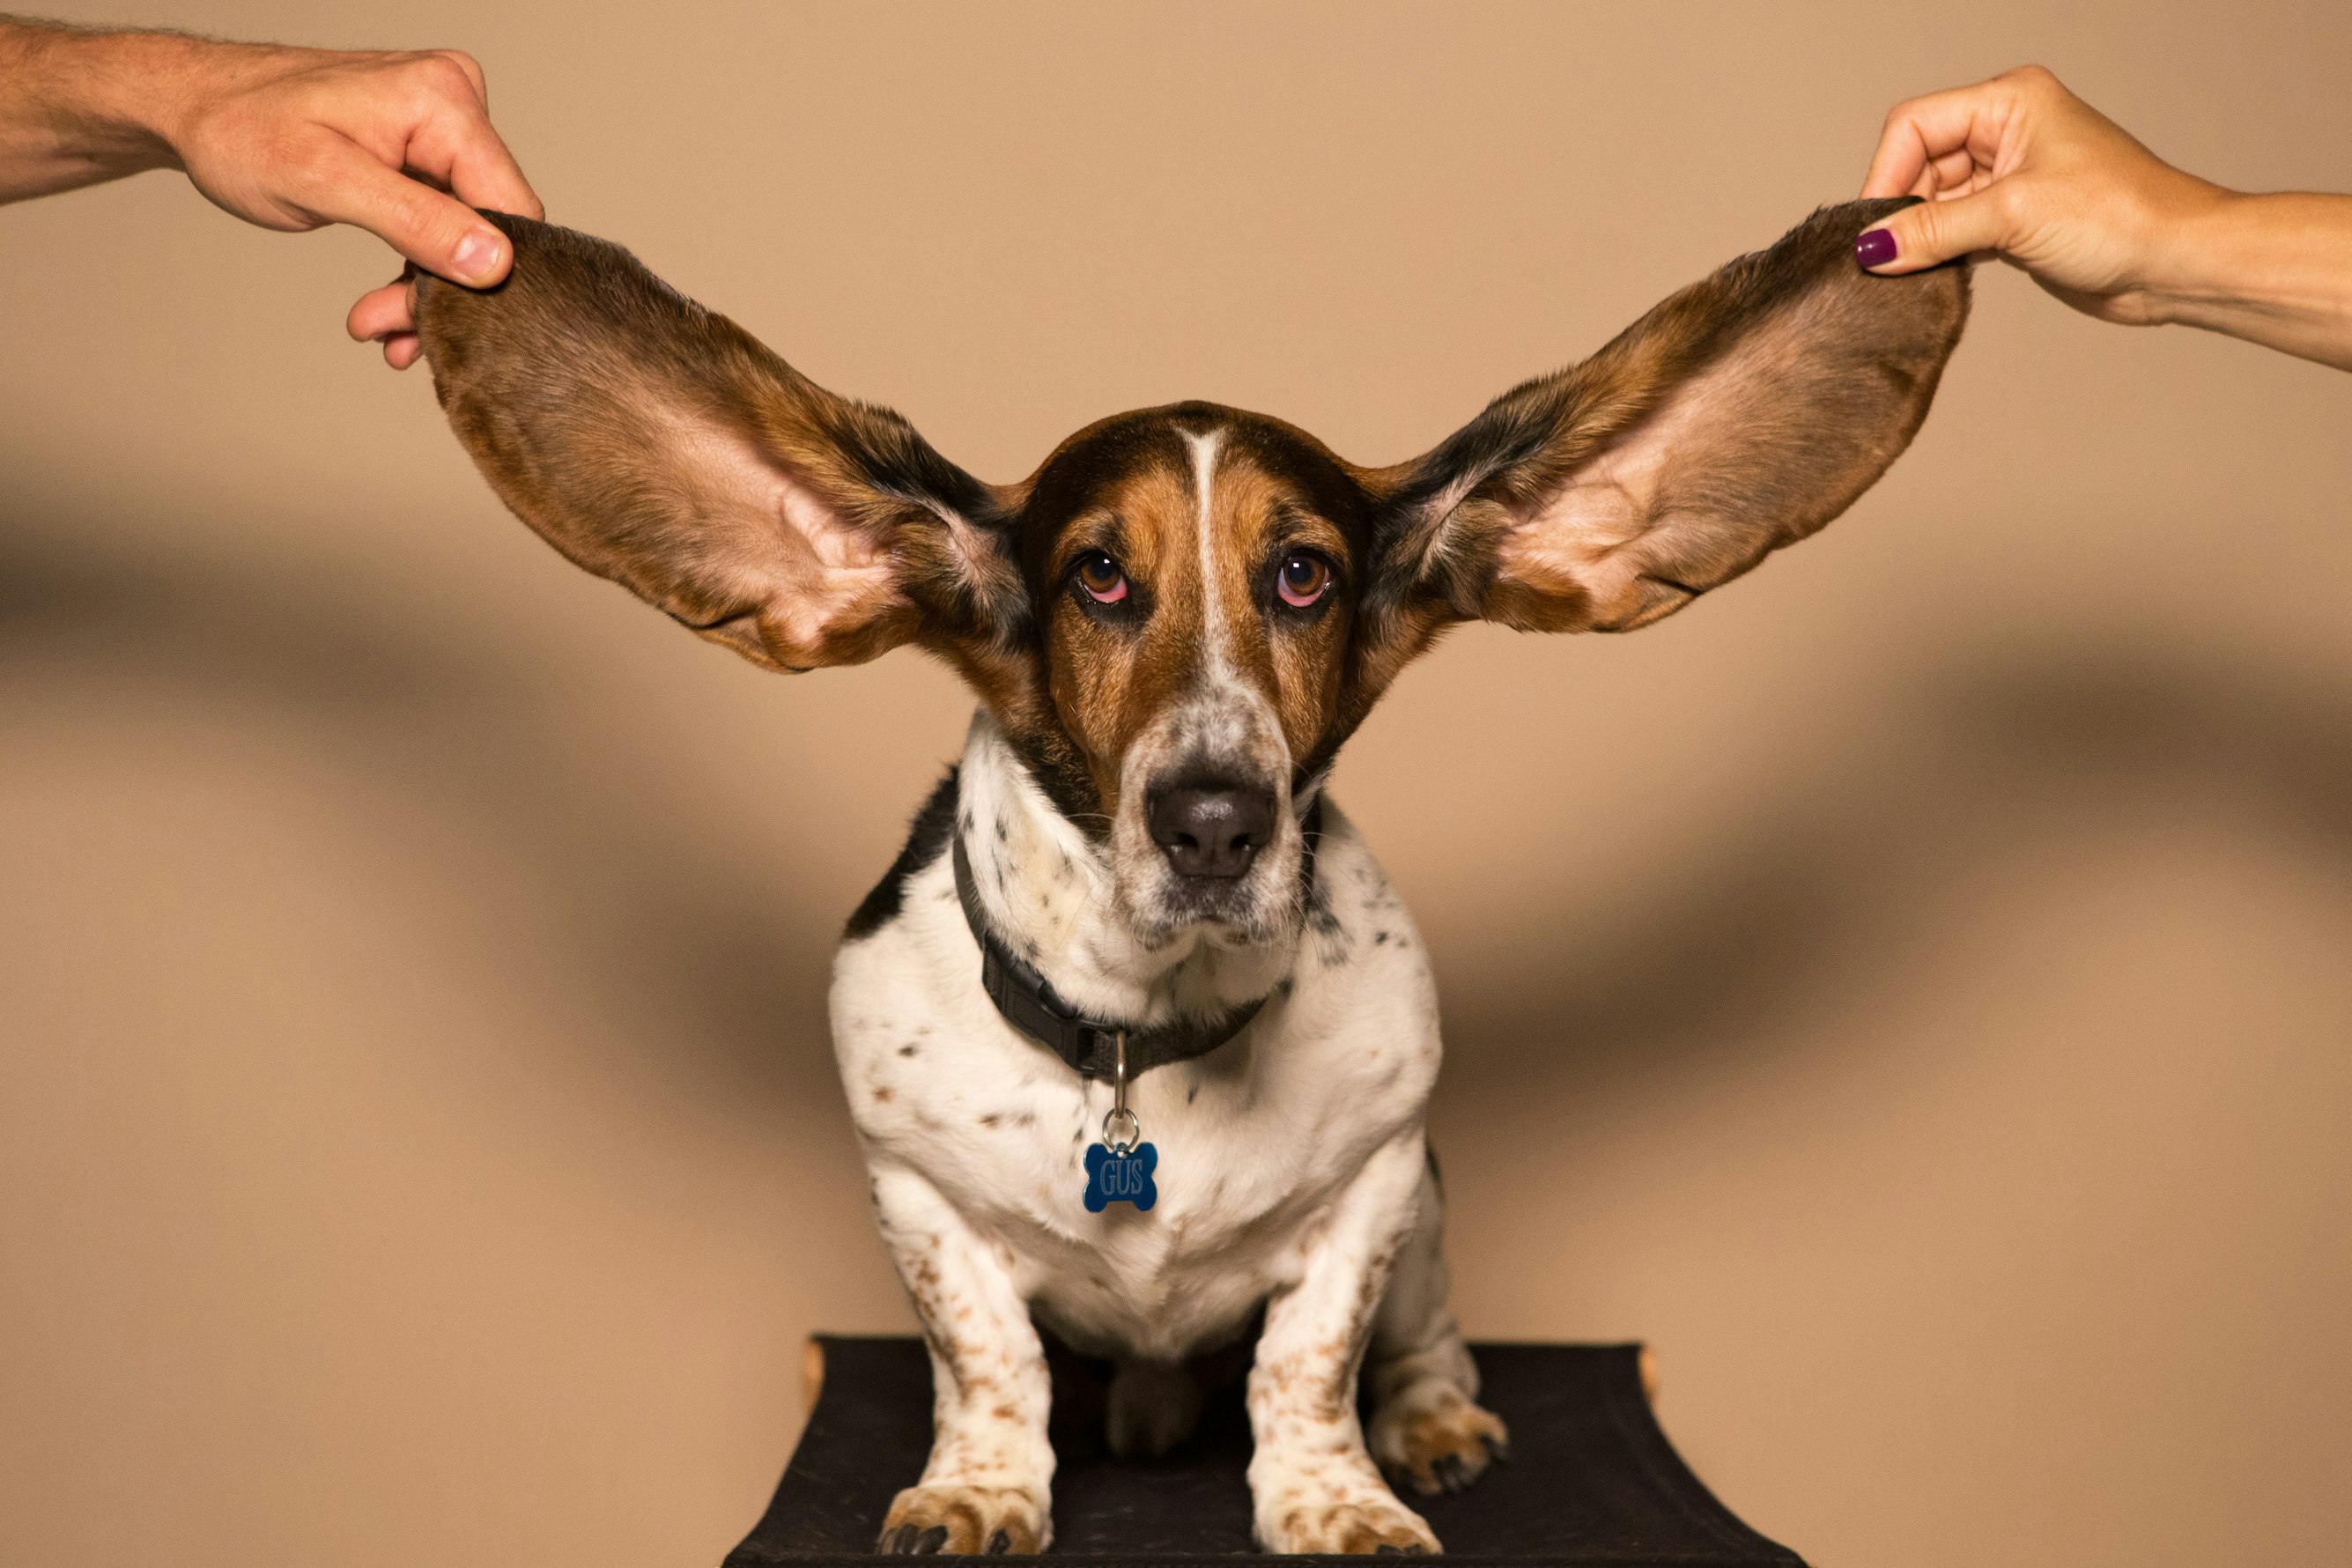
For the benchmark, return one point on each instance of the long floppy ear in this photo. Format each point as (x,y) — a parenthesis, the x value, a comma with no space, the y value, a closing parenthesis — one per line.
(1740,416)
(661,446)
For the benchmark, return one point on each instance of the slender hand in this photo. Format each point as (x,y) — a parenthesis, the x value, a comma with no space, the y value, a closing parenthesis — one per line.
(2020,168)
(399,144)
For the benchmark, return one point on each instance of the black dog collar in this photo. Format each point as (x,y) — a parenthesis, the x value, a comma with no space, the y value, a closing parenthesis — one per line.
(1090,1045)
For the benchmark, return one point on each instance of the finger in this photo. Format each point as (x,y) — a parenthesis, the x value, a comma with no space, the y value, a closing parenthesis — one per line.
(473,70)
(1900,165)
(485,174)
(1924,130)
(440,234)
(381,313)
(456,146)
(402,350)
(1932,232)
(1943,178)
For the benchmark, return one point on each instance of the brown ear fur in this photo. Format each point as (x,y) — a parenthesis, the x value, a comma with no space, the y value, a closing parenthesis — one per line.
(1740,416)
(658,444)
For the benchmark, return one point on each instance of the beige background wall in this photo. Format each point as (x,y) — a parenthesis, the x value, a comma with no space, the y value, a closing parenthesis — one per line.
(1911,990)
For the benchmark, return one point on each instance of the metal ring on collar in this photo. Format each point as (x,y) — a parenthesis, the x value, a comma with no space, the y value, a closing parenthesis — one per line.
(1134,1130)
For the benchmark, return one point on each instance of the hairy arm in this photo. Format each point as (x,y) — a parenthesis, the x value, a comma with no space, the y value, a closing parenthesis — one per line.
(79,108)
(396,144)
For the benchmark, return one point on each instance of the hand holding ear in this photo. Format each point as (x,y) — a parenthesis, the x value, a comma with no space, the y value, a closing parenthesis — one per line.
(2020,168)
(399,144)
(293,139)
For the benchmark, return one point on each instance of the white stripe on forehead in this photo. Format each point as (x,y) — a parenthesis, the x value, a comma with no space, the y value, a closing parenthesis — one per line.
(1212,609)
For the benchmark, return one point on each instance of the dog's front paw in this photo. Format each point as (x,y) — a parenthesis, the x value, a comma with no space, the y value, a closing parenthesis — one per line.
(1357,1526)
(967,1521)
(1435,1438)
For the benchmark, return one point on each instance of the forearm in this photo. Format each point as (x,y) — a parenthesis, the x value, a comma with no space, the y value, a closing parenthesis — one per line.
(2275,270)
(78,107)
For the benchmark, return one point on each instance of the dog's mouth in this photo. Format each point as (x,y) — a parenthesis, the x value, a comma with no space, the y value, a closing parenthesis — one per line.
(1223,917)
(1230,907)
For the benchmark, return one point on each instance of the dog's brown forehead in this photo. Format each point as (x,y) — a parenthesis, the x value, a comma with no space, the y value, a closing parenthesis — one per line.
(1092,470)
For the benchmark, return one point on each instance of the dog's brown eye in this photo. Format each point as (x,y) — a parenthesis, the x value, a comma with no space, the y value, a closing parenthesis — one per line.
(1303,579)
(1100,575)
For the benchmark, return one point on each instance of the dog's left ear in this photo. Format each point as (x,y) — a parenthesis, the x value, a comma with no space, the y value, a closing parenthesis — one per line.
(1740,416)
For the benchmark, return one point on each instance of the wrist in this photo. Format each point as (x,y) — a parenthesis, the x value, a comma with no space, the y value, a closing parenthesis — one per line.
(153,87)
(2271,268)
(2194,262)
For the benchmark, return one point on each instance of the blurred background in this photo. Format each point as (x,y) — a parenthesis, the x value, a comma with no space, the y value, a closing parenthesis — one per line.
(1911,990)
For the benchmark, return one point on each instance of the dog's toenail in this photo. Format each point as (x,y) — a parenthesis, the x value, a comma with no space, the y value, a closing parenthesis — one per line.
(999,1545)
(932,1539)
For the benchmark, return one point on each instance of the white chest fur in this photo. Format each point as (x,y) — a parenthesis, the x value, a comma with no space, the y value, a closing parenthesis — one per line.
(1254,1139)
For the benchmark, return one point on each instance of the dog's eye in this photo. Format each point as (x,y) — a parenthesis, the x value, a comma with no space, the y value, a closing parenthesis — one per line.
(1304,578)
(1100,575)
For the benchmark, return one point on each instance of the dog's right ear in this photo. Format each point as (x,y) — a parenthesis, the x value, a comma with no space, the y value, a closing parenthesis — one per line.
(660,445)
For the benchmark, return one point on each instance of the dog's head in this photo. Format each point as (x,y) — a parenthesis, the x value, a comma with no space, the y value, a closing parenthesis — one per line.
(1182,614)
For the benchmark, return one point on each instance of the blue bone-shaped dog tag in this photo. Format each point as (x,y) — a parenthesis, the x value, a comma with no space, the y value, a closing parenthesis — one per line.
(1126,1178)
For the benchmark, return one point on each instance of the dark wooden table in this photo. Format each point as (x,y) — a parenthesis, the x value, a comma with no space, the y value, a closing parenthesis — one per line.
(1590,1482)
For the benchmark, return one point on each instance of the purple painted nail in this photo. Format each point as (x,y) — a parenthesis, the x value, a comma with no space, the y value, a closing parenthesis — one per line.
(1875,248)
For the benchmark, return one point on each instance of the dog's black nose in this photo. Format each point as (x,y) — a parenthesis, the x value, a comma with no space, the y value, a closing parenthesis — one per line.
(1212,830)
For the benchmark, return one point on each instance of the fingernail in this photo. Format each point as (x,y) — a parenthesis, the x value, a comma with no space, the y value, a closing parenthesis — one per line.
(478,252)
(1875,248)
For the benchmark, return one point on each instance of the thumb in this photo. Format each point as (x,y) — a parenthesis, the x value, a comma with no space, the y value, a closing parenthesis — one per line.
(1927,234)
(437,232)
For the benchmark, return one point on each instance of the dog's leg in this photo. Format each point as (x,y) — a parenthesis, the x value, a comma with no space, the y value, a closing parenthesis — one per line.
(987,1487)
(1312,1485)
(1427,1426)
